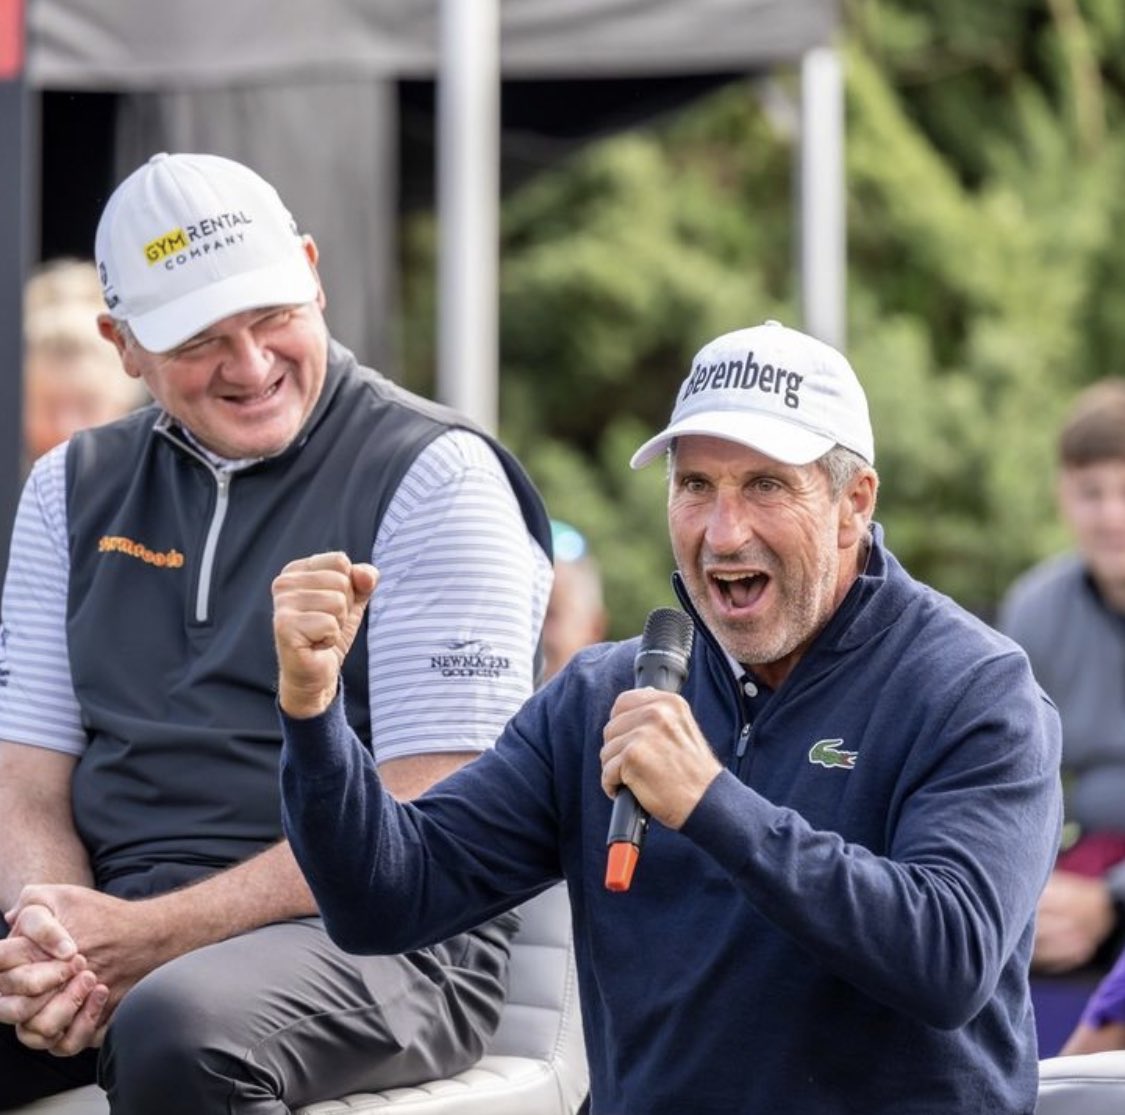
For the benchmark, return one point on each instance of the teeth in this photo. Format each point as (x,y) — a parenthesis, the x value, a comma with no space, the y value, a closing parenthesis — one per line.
(732,577)
(271,390)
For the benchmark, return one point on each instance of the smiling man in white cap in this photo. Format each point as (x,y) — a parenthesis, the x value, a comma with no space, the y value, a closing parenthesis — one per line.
(161,935)
(854,796)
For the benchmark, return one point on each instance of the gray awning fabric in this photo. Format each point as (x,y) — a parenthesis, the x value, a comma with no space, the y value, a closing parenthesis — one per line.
(159,44)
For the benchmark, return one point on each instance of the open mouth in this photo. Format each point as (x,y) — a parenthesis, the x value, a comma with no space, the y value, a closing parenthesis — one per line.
(740,590)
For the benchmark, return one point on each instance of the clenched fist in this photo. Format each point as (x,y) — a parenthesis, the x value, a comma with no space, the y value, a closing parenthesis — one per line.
(318,605)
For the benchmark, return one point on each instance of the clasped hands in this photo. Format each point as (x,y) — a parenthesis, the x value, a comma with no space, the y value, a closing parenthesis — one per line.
(70,956)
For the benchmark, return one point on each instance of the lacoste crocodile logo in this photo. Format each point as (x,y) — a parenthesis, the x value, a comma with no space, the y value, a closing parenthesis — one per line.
(827,753)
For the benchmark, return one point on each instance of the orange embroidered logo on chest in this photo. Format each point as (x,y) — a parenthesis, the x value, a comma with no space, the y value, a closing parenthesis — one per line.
(168,559)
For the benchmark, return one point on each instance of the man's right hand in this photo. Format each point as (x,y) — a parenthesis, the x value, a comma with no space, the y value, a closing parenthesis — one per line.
(33,970)
(318,605)
(654,745)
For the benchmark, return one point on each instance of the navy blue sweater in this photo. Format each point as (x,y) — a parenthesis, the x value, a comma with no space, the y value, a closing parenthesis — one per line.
(819,937)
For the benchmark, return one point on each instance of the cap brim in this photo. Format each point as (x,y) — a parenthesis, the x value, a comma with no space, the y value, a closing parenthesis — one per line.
(289,282)
(783,441)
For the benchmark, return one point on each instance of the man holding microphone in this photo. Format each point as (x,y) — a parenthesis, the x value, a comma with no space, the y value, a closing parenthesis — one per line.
(854,797)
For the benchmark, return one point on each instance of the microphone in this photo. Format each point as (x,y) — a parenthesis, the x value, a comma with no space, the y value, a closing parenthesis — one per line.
(661,663)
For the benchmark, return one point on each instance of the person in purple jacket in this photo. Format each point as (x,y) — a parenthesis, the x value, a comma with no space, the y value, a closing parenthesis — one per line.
(855,797)
(1102,1025)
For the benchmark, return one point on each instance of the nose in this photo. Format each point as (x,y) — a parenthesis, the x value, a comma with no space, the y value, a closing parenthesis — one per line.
(248,362)
(728,523)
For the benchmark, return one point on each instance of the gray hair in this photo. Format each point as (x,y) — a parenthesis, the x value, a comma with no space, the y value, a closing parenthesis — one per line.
(125,332)
(840,465)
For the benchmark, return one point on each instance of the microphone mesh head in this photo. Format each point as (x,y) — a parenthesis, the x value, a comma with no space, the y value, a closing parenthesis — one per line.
(668,630)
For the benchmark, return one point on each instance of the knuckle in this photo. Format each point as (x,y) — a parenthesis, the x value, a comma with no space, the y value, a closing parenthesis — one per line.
(31,1033)
(72,1041)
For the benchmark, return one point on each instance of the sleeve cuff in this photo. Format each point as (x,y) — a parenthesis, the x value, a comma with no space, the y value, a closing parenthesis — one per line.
(316,744)
(724,822)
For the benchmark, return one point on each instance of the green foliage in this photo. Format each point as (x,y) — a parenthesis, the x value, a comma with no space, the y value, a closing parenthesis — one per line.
(983,170)
(621,513)
(997,281)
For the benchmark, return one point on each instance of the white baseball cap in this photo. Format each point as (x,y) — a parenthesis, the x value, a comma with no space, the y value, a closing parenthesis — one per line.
(187,240)
(773,389)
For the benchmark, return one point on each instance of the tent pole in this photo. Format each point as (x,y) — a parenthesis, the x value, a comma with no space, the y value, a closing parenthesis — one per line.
(823,232)
(469,208)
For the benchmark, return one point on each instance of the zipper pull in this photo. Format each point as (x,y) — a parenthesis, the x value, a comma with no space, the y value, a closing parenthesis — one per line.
(743,741)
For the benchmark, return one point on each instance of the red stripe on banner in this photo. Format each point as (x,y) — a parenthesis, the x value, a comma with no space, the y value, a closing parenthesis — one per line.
(11,39)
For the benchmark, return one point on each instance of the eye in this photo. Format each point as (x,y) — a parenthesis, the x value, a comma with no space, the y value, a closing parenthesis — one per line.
(766,485)
(692,484)
(193,349)
(1089,492)
(275,319)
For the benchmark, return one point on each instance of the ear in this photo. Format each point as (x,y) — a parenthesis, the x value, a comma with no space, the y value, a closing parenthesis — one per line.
(312,252)
(110,328)
(857,507)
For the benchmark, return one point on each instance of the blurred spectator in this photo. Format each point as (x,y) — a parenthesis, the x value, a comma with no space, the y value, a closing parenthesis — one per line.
(72,376)
(1069,615)
(576,614)
(63,281)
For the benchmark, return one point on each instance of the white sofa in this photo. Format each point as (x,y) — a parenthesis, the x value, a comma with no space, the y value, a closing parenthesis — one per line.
(535,1064)
(1091,1084)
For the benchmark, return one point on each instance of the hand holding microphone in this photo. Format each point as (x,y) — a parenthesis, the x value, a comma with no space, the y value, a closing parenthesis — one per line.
(661,664)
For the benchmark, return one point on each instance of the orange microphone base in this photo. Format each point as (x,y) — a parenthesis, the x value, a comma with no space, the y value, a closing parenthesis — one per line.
(620,864)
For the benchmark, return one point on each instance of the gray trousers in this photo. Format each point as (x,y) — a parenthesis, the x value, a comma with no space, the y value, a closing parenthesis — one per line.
(279,1018)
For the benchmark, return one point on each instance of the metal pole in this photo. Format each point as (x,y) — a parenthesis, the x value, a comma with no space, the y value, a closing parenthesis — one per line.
(469,207)
(823,231)
(15,171)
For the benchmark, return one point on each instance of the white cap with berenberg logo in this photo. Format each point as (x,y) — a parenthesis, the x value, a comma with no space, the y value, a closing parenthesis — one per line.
(187,240)
(773,389)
